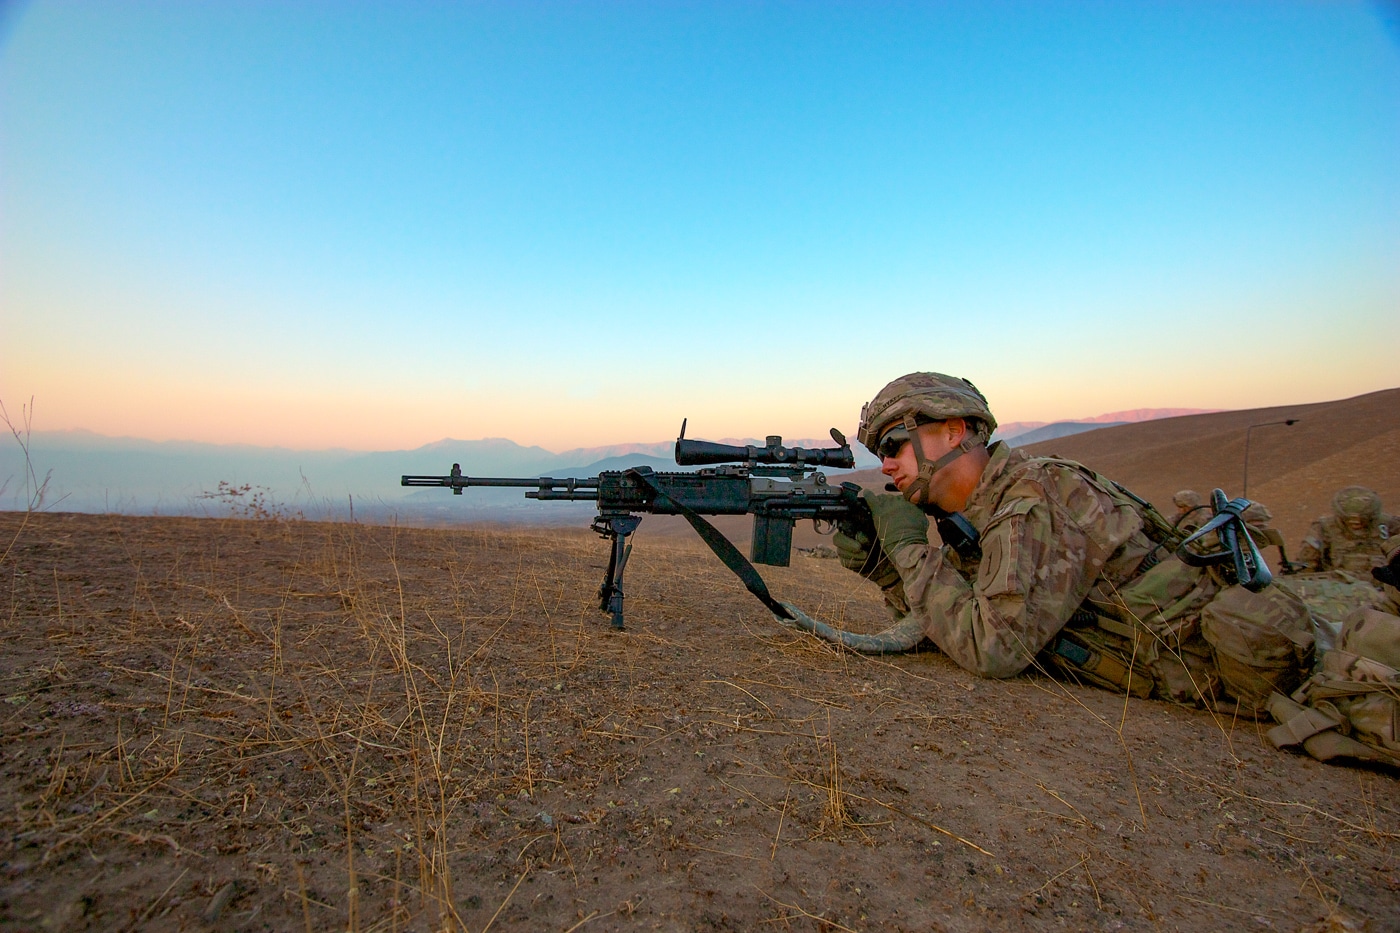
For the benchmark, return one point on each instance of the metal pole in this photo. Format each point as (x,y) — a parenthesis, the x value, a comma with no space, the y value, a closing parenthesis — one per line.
(1244,492)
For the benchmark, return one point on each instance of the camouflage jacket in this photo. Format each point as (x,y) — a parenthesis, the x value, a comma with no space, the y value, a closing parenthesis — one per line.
(1330,545)
(1054,536)
(1188,520)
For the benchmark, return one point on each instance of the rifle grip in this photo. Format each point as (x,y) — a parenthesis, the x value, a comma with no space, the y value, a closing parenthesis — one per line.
(772,540)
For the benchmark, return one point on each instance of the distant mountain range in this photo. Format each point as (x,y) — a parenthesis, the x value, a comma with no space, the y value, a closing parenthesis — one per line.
(88,472)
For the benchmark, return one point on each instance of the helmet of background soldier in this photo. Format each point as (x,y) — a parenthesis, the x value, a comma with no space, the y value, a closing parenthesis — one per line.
(1187,499)
(1258,514)
(928,396)
(1357,502)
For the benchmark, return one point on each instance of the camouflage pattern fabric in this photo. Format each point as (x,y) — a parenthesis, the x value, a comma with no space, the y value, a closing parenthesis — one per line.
(1257,517)
(1048,535)
(1056,538)
(1191,510)
(1333,595)
(1188,521)
(1330,545)
(934,396)
(1350,708)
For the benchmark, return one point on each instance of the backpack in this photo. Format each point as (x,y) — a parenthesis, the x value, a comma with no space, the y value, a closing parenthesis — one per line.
(1262,644)
(1192,636)
(1350,708)
(1331,596)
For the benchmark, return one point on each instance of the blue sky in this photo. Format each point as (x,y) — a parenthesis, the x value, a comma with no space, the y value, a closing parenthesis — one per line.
(373,225)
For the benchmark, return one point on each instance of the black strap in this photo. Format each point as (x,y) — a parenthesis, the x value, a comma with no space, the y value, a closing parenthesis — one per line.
(957,532)
(724,549)
(1238,546)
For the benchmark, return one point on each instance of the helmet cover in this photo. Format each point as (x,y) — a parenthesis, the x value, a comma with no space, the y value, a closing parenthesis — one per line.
(1357,502)
(1186,499)
(930,396)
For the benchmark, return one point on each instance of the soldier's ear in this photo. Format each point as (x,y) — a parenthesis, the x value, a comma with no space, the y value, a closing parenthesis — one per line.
(957,430)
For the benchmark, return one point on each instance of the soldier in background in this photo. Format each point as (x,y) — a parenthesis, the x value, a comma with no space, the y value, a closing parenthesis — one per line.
(1191,511)
(1355,537)
(1259,518)
(1388,576)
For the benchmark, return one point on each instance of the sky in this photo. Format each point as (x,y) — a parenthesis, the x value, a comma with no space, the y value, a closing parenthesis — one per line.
(374,225)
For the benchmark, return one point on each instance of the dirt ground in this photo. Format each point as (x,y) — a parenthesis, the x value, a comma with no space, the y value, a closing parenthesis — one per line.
(262,725)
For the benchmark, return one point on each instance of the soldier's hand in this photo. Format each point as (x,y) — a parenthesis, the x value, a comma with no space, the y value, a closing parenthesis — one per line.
(1390,573)
(862,553)
(898,523)
(854,547)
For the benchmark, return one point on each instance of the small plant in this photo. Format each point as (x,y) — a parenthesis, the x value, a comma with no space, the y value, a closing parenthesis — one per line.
(249,501)
(35,490)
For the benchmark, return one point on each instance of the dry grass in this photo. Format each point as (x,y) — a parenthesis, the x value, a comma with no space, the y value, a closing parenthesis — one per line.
(334,726)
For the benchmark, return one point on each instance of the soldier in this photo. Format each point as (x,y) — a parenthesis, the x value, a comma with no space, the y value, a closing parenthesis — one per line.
(1388,576)
(1191,512)
(1354,537)
(1055,566)
(1258,516)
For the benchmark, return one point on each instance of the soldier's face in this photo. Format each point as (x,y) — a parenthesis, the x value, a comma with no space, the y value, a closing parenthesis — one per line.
(903,466)
(1356,524)
(897,461)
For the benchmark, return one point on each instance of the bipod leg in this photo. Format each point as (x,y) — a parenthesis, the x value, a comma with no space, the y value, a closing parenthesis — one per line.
(610,594)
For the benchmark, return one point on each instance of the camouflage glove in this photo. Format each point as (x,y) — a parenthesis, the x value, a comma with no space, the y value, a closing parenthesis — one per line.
(898,523)
(859,550)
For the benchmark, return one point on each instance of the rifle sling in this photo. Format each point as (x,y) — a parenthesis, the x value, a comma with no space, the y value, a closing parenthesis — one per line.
(723,548)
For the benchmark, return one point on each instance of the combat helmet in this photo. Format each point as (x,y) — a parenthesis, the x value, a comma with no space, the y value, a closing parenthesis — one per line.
(1357,502)
(1187,500)
(1258,514)
(922,396)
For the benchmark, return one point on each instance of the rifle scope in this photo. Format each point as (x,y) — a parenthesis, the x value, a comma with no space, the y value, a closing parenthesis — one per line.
(697,453)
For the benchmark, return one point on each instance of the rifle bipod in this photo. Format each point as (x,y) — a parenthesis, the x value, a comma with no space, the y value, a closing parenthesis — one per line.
(616,527)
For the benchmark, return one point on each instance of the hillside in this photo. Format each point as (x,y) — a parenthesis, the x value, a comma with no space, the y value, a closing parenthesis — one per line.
(1293,469)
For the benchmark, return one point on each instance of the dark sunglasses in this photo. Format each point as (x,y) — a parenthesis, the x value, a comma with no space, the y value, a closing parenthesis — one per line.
(891,442)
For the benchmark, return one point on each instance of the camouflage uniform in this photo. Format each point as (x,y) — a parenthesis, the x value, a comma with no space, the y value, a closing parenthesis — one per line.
(1051,536)
(1060,546)
(1191,512)
(1331,545)
(1065,572)
(1258,518)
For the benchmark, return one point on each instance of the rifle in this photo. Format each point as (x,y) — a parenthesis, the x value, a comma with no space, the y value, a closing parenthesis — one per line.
(777,485)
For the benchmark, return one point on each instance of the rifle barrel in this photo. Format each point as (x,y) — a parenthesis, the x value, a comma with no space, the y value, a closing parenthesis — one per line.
(547,487)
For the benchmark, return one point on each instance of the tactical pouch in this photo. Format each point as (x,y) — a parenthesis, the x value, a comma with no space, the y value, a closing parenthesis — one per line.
(1151,631)
(1262,643)
(1351,707)
(1083,656)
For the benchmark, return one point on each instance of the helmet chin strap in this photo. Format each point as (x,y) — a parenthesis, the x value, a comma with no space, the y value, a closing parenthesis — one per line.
(955,530)
(917,490)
